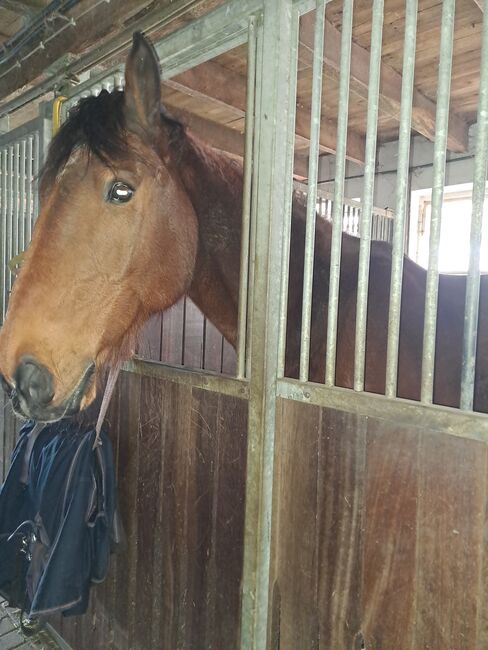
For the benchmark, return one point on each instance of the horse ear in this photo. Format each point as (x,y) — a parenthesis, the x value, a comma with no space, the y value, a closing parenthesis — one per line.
(142,96)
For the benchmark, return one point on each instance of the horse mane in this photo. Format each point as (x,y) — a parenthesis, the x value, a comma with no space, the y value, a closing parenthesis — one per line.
(97,123)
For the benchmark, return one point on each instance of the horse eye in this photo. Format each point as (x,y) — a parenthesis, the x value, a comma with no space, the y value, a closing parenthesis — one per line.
(119,192)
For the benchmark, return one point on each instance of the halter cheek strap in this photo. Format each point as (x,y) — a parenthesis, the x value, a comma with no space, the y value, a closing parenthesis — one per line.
(109,389)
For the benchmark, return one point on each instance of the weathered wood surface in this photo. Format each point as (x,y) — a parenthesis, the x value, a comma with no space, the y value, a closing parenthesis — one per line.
(180,456)
(378,529)
(379,535)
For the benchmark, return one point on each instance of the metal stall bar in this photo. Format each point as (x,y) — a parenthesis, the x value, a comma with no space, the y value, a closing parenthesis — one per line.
(479,189)
(255,185)
(29,173)
(10,212)
(289,194)
(278,30)
(439,168)
(4,201)
(246,204)
(16,210)
(367,204)
(23,203)
(313,163)
(401,206)
(337,211)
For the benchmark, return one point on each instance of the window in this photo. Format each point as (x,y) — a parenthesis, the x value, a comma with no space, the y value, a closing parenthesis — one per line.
(455,229)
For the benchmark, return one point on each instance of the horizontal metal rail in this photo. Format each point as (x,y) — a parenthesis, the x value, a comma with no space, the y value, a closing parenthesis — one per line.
(473,426)
(199,379)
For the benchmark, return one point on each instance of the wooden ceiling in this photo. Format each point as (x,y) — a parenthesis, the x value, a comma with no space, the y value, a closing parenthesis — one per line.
(16,14)
(211,97)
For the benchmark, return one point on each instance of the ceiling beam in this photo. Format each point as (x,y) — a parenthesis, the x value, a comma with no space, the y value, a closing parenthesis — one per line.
(423,109)
(221,136)
(228,88)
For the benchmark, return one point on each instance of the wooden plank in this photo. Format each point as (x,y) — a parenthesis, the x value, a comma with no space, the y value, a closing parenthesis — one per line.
(203,590)
(125,605)
(450,540)
(212,348)
(229,362)
(172,336)
(229,519)
(340,522)
(228,88)
(295,535)
(193,344)
(149,339)
(149,433)
(390,523)
(423,109)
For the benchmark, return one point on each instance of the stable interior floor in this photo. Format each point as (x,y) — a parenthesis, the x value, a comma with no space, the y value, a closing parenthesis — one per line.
(11,637)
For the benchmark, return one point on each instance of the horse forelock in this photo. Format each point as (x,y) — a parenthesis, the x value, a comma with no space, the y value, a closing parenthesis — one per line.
(98,124)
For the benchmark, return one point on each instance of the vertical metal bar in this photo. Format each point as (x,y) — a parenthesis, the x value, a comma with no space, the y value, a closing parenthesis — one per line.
(289,194)
(30,207)
(272,143)
(35,173)
(246,207)
(479,190)
(401,204)
(3,261)
(336,243)
(313,162)
(367,203)
(441,128)
(23,209)
(10,217)
(254,214)
(16,197)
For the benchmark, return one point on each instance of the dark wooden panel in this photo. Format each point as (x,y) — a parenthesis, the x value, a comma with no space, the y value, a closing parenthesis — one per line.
(390,541)
(296,532)
(378,535)
(149,339)
(340,520)
(450,533)
(180,461)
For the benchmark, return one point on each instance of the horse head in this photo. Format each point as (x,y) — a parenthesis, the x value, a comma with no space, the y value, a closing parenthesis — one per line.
(115,241)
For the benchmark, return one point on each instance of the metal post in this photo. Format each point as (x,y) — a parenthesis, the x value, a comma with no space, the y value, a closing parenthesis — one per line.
(439,167)
(313,162)
(367,204)
(337,212)
(289,194)
(246,206)
(280,19)
(409,46)
(479,190)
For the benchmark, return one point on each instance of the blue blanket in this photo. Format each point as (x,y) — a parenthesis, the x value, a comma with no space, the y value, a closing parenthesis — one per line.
(57,518)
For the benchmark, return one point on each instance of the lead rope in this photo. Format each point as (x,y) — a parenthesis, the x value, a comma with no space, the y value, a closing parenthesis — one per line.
(109,389)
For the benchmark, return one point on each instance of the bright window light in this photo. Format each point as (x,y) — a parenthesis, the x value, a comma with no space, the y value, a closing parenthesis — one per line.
(455,229)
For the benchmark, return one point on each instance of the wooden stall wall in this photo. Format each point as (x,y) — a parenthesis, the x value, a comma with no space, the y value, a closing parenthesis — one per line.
(180,456)
(9,428)
(379,535)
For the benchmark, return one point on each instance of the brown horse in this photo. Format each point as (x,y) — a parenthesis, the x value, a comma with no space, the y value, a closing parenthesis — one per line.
(135,212)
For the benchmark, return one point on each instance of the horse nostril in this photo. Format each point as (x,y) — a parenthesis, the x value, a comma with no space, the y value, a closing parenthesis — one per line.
(34,382)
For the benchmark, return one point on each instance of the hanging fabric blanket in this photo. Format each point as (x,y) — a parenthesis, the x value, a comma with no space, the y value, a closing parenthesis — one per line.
(57,518)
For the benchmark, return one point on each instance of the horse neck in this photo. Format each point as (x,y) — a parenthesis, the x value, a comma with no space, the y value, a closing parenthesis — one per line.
(213,182)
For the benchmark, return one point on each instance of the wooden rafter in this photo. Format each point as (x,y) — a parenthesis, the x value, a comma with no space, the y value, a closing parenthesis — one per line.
(221,136)
(423,109)
(228,88)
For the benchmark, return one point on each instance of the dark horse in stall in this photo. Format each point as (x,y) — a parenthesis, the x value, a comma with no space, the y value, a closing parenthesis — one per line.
(135,213)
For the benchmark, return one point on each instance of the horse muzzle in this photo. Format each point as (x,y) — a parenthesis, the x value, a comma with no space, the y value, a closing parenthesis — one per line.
(32,392)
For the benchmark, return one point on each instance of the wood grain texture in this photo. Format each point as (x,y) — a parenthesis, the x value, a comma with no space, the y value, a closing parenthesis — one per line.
(450,536)
(390,537)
